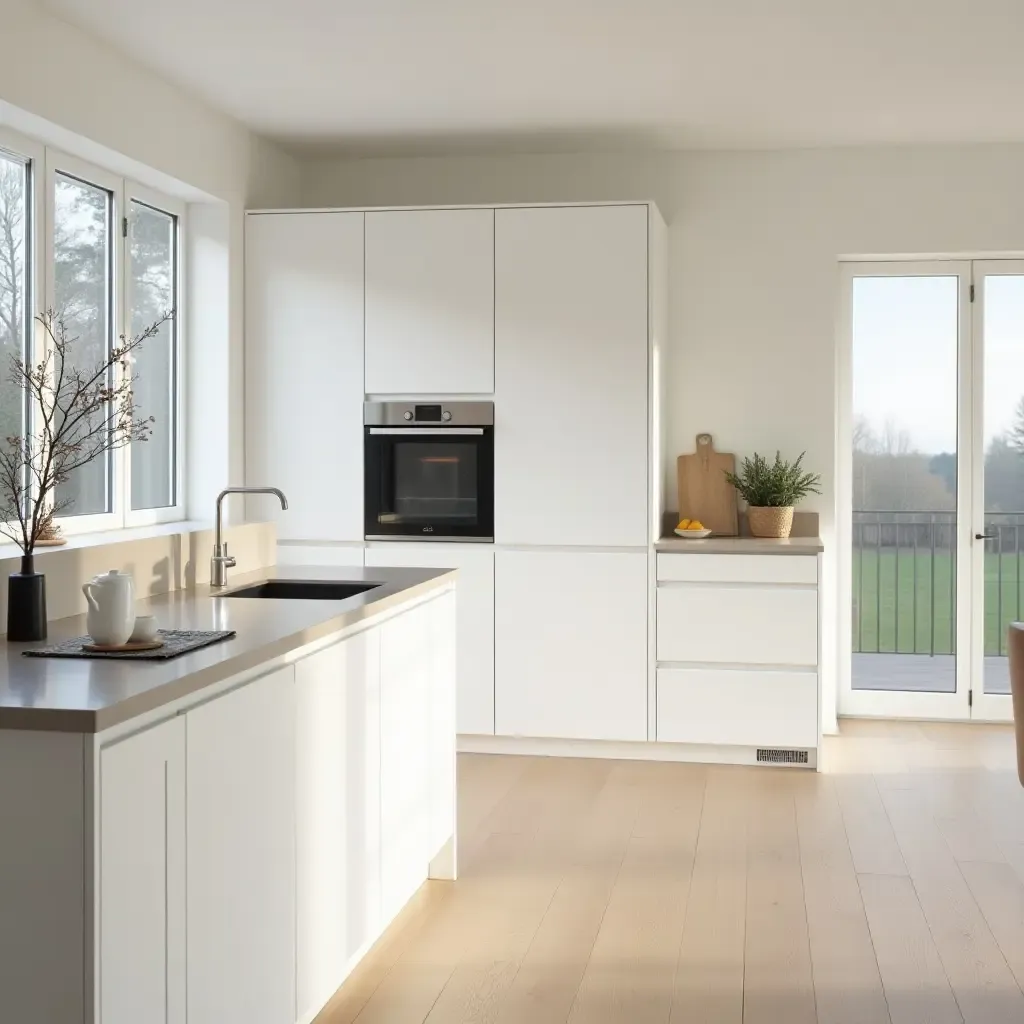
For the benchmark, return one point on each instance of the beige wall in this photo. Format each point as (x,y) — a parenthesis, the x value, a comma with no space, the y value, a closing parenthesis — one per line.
(754,243)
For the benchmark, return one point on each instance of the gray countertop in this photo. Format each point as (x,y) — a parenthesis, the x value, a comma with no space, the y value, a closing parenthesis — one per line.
(90,694)
(741,545)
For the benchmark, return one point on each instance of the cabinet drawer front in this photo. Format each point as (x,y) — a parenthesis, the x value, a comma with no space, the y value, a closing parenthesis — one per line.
(738,625)
(738,568)
(736,706)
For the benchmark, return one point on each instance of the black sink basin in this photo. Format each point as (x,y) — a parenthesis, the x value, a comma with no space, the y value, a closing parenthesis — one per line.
(304,590)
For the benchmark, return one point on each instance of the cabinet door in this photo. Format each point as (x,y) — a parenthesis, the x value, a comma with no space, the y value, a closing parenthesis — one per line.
(304,370)
(430,302)
(571,353)
(337,813)
(405,684)
(441,742)
(571,644)
(142,877)
(475,618)
(241,855)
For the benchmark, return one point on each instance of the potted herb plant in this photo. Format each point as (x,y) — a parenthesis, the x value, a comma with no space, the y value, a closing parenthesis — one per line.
(771,489)
(75,414)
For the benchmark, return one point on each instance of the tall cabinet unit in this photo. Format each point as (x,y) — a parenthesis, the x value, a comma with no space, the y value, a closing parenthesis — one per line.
(304,370)
(572,494)
(571,365)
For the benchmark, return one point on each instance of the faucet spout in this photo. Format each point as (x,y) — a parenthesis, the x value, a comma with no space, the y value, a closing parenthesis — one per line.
(221,560)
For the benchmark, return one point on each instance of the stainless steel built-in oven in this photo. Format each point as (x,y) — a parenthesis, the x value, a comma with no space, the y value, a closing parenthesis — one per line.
(429,470)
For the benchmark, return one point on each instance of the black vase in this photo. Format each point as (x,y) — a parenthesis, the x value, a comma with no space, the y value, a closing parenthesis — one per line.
(26,603)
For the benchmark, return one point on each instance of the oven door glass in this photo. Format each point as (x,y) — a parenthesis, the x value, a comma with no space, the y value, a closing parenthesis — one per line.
(427,484)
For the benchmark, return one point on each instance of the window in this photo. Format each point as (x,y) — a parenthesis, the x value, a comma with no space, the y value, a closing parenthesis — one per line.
(105,253)
(83,290)
(15,296)
(152,287)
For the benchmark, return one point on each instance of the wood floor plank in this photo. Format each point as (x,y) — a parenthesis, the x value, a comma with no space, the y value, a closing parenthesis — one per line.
(916,987)
(999,893)
(490,930)
(985,988)
(847,985)
(631,970)
(550,976)
(778,983)
(872,842)
(708,987)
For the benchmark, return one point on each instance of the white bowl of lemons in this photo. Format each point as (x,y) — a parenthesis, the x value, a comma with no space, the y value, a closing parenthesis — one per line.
(691,529)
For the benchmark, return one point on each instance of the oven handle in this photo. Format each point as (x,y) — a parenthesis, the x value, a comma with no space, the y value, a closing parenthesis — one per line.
(437,432)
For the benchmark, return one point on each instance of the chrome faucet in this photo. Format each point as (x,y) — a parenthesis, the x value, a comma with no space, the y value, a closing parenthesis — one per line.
(222,561)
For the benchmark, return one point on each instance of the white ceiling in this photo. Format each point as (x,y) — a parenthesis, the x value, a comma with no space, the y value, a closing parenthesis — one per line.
(404,76)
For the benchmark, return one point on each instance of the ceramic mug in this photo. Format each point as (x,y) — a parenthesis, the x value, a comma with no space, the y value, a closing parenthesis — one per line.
(145,629)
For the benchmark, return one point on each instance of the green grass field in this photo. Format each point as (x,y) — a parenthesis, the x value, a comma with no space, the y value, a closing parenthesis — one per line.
(899,611)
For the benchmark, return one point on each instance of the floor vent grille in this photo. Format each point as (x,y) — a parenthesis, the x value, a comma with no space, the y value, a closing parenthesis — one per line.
(767,755)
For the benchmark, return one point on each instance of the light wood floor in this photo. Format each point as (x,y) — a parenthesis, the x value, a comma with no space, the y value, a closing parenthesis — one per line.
(890,888)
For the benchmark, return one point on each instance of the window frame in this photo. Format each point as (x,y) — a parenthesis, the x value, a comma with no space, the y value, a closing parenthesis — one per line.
(137,192)
(33,153)
(122,191)
(67,166)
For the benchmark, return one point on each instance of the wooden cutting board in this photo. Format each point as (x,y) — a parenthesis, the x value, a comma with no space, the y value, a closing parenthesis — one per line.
(704,492)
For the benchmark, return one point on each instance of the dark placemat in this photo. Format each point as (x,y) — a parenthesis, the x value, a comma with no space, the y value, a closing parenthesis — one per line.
(176,642)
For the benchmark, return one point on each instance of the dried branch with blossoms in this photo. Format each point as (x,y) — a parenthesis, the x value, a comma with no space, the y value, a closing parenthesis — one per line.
(76,415)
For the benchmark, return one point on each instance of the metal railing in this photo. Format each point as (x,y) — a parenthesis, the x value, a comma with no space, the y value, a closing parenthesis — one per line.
(904,581)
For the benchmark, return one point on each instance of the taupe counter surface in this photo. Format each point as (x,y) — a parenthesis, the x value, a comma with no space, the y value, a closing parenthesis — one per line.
(741,545)
(90,694)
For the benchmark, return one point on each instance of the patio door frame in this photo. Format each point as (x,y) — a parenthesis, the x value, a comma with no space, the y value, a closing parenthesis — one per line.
(986,707)
(900,703)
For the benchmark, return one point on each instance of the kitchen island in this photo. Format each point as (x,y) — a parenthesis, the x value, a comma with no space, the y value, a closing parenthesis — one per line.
(221,837)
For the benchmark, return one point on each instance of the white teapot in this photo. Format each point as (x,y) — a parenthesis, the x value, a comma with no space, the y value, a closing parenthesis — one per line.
(111,615)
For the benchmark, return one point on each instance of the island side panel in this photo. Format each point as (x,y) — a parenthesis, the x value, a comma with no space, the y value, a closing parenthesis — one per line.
(42,871)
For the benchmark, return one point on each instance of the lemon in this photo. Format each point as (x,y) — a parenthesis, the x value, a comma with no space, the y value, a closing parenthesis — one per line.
(684,524)
(694,524)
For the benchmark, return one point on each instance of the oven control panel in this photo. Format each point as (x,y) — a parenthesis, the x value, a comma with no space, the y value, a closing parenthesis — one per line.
(433,414)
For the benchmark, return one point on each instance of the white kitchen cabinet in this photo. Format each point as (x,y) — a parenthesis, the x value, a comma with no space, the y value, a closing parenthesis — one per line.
(737,649)
(735,624)
(571,376)
(406,672)
(475,619)
(241,814)
(142,877)
(571,644)
(430,302)
(337,813)
(304,371)
(441,734)
(746,707)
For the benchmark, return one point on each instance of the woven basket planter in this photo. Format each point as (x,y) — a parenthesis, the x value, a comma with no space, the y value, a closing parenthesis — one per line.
(770,522)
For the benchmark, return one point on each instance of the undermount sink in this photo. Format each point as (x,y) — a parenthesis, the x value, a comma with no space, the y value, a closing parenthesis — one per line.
(303,590)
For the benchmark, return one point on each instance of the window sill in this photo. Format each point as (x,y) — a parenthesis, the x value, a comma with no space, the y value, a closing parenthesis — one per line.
(104,537)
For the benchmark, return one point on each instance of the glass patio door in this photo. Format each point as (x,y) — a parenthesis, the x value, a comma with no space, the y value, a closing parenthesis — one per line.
(998,485)
(909,489)
(935,487)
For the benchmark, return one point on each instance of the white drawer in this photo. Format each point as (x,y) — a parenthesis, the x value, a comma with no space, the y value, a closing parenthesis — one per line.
(738,568)
(754,708)
(738,625)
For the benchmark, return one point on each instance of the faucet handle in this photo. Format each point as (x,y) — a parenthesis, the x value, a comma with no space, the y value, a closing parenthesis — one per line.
(228,560)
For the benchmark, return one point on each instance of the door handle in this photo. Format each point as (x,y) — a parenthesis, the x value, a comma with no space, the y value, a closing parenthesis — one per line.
(986,536)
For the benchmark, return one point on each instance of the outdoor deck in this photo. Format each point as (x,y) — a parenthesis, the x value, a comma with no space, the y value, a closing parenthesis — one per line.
(921,673)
